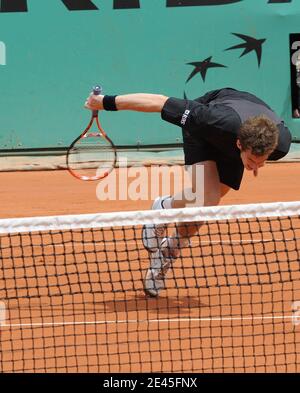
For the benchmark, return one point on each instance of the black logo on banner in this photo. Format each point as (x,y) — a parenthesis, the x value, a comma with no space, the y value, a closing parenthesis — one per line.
(250,44)
(188,3)
(201,68)
(89,5)
(72,5)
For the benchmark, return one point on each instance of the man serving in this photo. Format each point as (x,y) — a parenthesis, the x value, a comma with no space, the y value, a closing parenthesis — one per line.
(225,131)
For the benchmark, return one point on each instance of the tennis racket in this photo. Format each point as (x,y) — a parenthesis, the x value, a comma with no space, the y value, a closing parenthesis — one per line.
(92,156)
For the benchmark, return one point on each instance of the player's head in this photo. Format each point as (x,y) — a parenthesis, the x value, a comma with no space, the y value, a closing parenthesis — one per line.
(257,138)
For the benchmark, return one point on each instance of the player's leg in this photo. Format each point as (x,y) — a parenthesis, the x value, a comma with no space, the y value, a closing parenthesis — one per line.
(200,158)
(169,249)
(205,187)
(212,192)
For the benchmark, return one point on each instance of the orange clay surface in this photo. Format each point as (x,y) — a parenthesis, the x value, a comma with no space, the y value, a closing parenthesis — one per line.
(40,193)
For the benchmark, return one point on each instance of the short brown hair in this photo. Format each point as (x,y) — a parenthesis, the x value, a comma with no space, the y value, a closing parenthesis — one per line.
(259,134)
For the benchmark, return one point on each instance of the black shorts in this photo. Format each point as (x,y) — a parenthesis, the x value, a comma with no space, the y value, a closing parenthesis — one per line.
(198,150)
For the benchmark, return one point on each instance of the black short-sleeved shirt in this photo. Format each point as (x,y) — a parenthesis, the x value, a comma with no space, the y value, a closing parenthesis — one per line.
(210,126)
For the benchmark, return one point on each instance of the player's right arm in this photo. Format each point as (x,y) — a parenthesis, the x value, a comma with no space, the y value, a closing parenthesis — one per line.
(188,114)
(140,102)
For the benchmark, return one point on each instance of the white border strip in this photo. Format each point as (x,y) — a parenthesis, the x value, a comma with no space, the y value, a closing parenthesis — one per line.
(132,218)
(162,320)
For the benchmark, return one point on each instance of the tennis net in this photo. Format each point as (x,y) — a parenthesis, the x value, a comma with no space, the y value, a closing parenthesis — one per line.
(72,299)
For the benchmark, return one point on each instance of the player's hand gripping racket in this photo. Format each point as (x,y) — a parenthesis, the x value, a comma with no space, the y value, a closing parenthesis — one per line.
(92,156)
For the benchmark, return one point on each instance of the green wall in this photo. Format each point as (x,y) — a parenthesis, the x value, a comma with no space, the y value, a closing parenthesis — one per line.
(54,55)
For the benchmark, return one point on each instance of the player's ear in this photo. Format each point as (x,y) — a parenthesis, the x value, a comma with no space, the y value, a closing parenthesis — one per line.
(238,143)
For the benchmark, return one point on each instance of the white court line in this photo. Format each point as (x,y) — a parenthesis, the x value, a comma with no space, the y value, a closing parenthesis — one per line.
(135,321)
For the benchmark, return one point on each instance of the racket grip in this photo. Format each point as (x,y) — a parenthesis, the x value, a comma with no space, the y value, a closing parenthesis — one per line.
(97,90)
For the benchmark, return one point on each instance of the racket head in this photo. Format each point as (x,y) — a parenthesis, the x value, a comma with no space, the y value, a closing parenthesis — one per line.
(92,156)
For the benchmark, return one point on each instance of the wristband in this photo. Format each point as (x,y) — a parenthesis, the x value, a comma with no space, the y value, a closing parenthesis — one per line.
(109,103)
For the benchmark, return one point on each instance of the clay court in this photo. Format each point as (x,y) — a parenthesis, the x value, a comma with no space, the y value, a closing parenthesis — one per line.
(164,75)
(79,297)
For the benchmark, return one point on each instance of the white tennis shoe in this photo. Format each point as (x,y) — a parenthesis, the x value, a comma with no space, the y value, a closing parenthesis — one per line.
(154,280)
(152,234)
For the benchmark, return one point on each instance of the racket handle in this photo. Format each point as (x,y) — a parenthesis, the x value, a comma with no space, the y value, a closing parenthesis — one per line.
(97,90)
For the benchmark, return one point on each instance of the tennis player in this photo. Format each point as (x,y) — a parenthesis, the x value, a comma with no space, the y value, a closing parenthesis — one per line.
(225,131)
